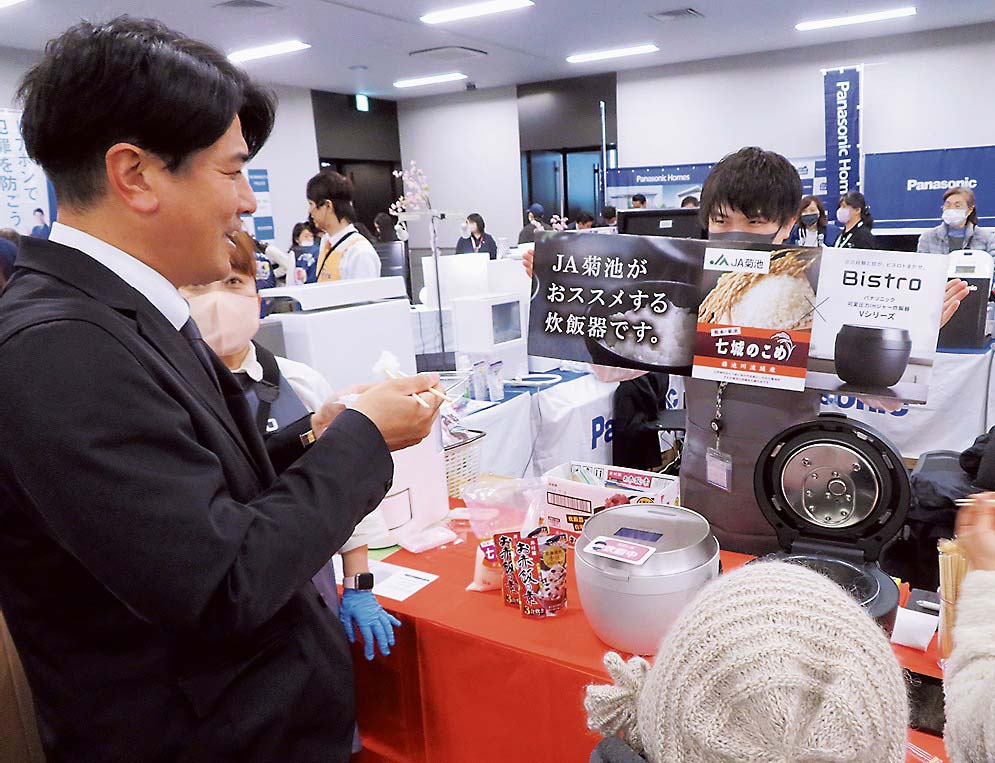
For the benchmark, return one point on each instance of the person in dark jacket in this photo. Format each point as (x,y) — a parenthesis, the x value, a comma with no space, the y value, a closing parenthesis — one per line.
(535,222)
(156,552)
(854,214)
(383,226)
(475,237)
(637,404)
(8,256)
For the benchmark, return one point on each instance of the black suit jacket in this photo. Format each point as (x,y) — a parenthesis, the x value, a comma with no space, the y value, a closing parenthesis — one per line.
(154,569)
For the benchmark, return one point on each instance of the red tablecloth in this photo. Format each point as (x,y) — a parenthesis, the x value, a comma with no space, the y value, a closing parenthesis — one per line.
(471,680)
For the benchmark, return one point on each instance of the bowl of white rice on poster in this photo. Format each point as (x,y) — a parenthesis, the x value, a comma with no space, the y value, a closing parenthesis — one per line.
(782,299)
(658,336)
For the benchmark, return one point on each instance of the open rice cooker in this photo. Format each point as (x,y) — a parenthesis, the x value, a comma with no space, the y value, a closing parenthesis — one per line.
(837,493)
(637,567)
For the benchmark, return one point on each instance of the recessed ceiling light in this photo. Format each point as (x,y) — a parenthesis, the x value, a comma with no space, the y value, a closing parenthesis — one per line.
(8,3)
(472,11)
(430,80)
(601,55)
(862,18)
(265,51)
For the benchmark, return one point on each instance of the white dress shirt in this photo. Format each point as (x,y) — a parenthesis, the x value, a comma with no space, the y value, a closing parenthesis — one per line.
(359,258)
(147,281)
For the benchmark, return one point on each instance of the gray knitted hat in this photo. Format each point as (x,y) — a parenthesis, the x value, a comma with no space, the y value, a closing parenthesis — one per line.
(772,663)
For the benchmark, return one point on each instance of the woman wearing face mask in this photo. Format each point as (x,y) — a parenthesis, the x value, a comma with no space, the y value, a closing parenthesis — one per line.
(279,392)
(854,215)
(304,246)
(475,239)
(959,229)
(812,223)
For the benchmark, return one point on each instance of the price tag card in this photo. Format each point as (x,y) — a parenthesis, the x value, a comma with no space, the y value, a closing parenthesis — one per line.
(620,550)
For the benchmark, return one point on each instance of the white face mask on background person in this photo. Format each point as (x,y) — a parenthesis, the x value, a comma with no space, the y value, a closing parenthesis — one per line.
(955,218)
(228,321)
(465,229)
(843,215)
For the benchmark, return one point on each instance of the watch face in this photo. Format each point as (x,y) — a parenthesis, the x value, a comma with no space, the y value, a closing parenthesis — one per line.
(364,581)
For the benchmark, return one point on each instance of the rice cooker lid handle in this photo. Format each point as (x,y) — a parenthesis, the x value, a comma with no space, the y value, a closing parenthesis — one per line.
(880,491)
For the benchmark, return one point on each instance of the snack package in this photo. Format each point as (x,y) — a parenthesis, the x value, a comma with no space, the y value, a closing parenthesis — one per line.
(552,570)
(487,571)
(529,582)
(504,544)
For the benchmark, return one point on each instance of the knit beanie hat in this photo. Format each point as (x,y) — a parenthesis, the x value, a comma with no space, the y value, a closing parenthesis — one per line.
(772,663)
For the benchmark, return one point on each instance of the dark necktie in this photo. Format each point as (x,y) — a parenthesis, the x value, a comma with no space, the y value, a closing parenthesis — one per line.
(200,348)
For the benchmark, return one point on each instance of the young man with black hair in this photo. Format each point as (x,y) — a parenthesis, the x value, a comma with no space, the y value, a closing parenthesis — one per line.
(609,215)
(345,253)
(156,552)
(41,228)
(584,221)
(638,201)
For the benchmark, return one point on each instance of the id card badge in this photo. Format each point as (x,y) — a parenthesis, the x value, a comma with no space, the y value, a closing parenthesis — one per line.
(718,469)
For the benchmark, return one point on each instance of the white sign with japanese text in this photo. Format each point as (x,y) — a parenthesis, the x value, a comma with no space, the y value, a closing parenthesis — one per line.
(23,186)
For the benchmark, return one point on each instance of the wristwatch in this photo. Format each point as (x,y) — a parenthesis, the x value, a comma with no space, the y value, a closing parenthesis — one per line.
(361,582)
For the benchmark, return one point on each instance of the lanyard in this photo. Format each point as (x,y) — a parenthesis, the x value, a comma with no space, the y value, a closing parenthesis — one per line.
(331,249)
(716,423)
(845,239)
(474,244)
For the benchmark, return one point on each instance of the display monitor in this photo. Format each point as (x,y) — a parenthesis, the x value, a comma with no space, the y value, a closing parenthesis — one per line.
(673,223)
(394,261)
(506,322)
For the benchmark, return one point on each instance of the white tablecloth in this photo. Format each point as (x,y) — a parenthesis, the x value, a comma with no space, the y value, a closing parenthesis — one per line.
(530,434)
(960,408)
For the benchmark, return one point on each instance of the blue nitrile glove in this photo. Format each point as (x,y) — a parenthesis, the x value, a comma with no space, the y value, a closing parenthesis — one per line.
(362,609)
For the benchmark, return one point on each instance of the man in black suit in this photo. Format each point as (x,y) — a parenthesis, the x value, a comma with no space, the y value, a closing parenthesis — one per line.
(155,553)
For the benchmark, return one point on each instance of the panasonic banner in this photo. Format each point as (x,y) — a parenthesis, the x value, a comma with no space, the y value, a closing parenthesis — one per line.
(843,170)
(908,186)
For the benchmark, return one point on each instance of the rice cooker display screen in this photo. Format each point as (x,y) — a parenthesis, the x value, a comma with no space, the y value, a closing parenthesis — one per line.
(506,322)
(643,535)
(963,269)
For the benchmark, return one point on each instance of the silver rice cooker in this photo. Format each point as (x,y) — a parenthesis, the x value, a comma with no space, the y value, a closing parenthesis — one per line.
(637,567)
(837,493)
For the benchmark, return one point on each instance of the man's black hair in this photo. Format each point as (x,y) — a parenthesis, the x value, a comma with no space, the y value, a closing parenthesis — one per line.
(132,81)
(39,209)
(609,212)
(329,185)
(638,197)
(689,201)
(755,182)
(584,217)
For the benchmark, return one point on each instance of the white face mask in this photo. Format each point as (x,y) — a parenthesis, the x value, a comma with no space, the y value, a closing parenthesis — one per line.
(955,218)
(843,215)
(465,229)
(226,320)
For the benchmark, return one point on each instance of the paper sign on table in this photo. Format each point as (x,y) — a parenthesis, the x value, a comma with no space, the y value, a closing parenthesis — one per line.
(914,629)
(392,580)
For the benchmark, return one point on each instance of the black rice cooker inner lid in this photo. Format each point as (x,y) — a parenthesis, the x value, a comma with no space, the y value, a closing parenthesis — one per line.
(862,586)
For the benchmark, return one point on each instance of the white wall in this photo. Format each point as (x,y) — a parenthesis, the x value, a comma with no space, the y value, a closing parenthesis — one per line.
(13,65)
(291,156)
(920,91)
(467,144)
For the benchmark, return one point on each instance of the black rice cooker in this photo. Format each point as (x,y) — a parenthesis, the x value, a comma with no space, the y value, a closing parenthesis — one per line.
(837,493)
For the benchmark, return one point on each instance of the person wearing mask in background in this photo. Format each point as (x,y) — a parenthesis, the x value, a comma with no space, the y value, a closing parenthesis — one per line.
(959,229)
(536,222)
(304,246)
(156,553)
(689,202)
(610,216)
(969,674)
(475,238)
(584,220)
(854,215)
(272,263)
(812,223)
(638,201)
(279,392)
(750,195)
(42,229)
(345,253)
(383,227)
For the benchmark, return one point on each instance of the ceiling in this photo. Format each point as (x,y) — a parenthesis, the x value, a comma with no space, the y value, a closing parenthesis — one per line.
(525,45)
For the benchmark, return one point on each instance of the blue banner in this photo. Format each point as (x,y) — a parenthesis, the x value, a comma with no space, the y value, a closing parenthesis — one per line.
(842,93)
(258,181)
(666,186)
(905,189)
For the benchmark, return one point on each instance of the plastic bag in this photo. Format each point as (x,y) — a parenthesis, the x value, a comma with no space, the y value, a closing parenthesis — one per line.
(498,504)
(487,570)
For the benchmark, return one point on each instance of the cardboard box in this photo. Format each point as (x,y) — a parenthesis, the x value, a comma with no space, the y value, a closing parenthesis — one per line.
(567,505)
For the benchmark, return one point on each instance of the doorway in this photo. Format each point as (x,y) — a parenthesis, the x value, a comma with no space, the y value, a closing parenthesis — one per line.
(374,184)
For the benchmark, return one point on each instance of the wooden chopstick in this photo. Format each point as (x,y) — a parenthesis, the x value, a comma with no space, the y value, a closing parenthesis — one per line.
(398,375)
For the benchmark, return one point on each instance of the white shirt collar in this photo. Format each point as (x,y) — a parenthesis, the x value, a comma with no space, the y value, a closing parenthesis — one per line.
(145,280)
(250,365)
(350,228)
